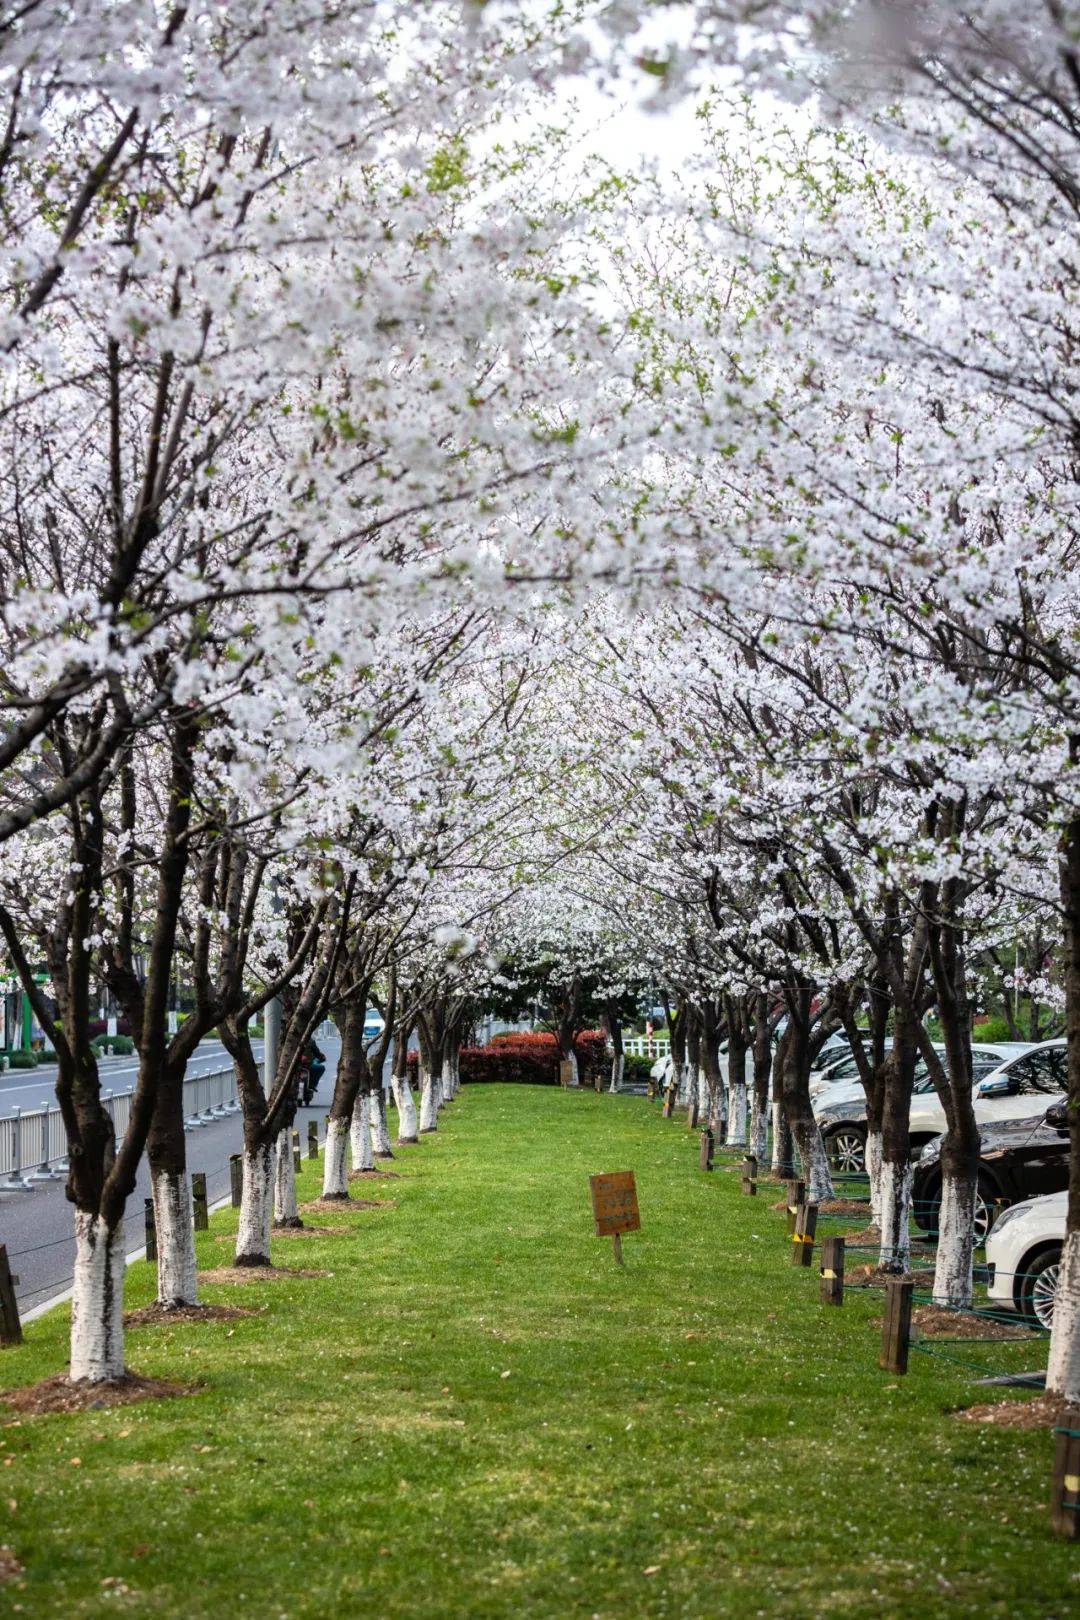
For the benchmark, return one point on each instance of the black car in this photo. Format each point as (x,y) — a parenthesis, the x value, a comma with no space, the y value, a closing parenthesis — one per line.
(1018,1159)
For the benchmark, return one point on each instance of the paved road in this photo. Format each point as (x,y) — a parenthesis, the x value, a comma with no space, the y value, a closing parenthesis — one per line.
(36,1224)
(29,1089)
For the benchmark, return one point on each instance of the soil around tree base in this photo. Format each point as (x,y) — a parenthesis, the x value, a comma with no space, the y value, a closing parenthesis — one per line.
(878,1278)
(336,1206)
(939,1322)
(59,1394)
(245,1274)
(149,1314)
(1039,1413)
(371,1175)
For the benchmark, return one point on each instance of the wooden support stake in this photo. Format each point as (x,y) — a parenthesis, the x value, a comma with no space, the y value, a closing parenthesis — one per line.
(1065,1479)
(669,1101)
(692,1112)
(296,1150)
(313,1139)
(199,1205)
(832,1271)
(749,1180)
(707,1144)
(151,1229)
(896,1328)
(616,1244)
(802,1247)
(236,1178)
(10,1326)
(796,1198)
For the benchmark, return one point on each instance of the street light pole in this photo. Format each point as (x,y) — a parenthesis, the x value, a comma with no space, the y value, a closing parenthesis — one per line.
(271,1043)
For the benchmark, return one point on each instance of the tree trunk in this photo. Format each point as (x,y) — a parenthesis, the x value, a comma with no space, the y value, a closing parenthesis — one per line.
(97,1300)
(348,1083)
(896,1167)
(429,1108)
(736,1075)
(759,1117)
(618,1057)
(256,1206)
(380,1129)
(873,1170)
(173,1218)
(286,1212)
(335,1182)
(1063,1368)
(363,1156)
(689,1091)
(403,1097)
(797,1109)
(175,1238)
(960,1149)
(677,1028)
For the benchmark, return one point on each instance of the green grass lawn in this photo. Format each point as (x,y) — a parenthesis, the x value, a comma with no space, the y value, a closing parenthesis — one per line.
(479,1414)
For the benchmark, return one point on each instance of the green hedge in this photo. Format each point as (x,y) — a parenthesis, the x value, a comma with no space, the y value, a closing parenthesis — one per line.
(21,1060)
(121,1045)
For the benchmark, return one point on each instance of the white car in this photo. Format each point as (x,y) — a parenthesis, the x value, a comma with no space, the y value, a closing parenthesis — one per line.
(1019,1086)
(1023,1255)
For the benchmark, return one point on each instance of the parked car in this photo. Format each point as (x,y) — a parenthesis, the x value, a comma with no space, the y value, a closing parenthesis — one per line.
(841,1110)
(844,1067)
(835,1048)
(373,1026)
(1018,1159)
(1023,1257)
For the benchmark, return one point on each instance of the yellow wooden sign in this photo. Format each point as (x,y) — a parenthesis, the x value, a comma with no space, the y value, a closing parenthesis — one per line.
(614,1202)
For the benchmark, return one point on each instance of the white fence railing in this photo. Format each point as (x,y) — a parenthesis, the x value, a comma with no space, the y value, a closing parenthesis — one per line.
(33,1143)
(650,1046)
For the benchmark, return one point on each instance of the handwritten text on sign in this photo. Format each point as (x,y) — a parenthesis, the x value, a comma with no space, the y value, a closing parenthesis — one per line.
(614,1203)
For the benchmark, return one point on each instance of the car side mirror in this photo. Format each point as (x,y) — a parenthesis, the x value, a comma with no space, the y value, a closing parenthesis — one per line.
(1058,1117)
(1001,1086)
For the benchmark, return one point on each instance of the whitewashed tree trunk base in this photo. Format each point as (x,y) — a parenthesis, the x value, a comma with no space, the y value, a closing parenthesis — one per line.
(873,1171)
(429,1106)
(618,1064)
(759,1134)
(97,1301)
(256,1208)
(736,1136)
(779,1140)
(175,1237)
(956,1240)
(678,1074)
(896,1182)
(363,1156)
(335,1182)
(286,1210)
(406,1107)
(380,1130)
(1063,1368)
(815,1164)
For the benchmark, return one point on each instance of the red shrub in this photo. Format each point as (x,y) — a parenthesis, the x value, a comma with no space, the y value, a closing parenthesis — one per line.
(528,1058)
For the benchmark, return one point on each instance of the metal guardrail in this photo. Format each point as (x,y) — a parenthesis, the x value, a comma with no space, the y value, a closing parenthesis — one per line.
(33,1142)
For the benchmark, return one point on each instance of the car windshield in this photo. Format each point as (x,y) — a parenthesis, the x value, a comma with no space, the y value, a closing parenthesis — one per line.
(1040,1071)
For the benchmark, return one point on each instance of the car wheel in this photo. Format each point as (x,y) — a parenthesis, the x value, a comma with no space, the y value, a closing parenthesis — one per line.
(987,1203)
(1038,1286)
(847,1149)
(986,1209)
